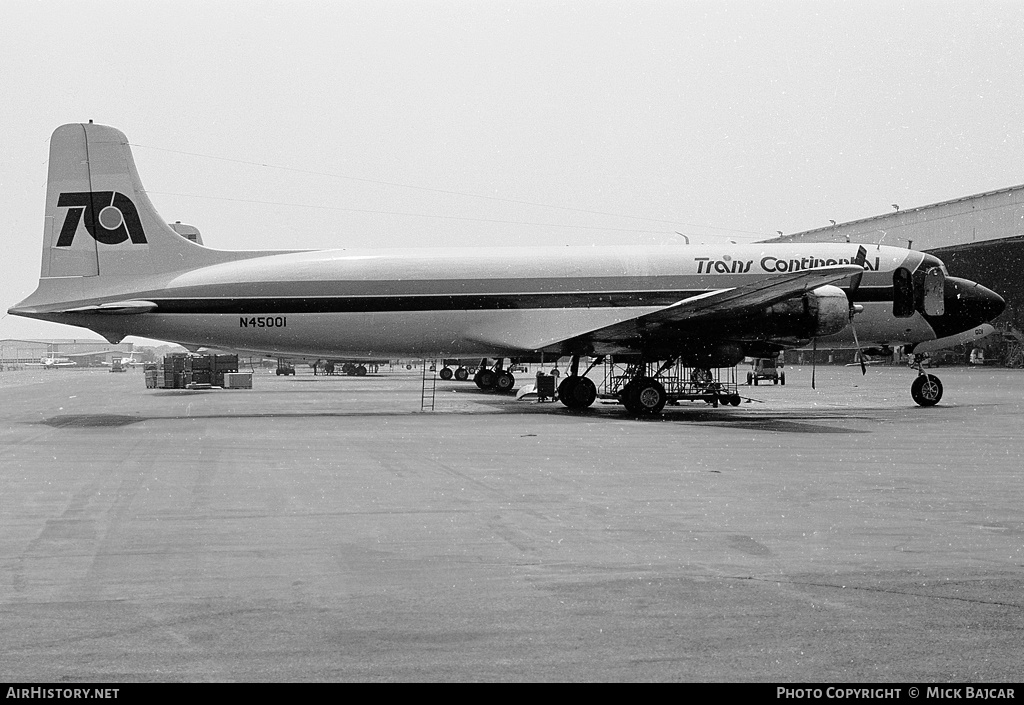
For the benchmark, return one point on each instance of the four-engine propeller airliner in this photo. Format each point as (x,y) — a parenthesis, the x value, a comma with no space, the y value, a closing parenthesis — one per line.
(110,263)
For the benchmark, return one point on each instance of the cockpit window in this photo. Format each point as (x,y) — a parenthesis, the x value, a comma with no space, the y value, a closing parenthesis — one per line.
(931,261)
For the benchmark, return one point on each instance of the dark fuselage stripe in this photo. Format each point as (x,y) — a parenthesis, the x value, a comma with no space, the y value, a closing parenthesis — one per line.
(461,302)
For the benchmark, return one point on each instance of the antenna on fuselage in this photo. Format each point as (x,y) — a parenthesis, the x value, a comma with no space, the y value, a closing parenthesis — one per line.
(683,236)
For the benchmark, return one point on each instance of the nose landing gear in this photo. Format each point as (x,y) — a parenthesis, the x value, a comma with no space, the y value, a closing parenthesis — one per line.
(926,389)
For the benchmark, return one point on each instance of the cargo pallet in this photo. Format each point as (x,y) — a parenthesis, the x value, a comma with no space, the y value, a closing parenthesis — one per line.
(186,371)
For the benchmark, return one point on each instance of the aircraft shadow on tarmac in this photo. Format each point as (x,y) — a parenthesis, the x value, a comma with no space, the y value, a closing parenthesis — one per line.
(770,424)
(117,420)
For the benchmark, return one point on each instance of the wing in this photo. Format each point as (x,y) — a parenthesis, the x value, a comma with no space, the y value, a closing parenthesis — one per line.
(716,307)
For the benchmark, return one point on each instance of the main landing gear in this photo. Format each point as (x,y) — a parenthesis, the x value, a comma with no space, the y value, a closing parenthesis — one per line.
(460,373)
(578,391)
(644,396)
(494,379)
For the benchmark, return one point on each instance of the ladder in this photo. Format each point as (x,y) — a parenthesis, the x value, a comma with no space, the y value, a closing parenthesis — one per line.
(429,385)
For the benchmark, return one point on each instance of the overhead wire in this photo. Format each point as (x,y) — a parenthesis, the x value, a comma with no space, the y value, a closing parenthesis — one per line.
(415,215)
(436,190)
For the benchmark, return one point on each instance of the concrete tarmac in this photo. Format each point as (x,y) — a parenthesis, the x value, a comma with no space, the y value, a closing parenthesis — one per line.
(324,529)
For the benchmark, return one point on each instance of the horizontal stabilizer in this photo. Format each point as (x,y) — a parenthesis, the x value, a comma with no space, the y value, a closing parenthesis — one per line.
(117,308)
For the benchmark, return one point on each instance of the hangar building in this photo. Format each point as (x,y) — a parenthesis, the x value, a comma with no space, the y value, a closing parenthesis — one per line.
(979,237)
(15,353)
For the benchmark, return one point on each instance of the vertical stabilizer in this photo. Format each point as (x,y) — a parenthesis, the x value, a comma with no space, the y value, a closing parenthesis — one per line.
(99,220)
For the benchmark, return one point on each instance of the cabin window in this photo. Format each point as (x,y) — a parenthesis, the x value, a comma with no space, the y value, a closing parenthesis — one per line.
(902,293)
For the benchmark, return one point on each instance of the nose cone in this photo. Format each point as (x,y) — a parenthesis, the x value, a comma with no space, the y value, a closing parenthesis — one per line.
(968,304)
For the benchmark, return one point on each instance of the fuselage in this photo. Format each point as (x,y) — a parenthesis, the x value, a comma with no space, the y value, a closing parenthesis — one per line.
(470,301)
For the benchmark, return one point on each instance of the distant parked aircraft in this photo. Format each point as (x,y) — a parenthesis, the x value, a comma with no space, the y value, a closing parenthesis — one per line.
(51,363)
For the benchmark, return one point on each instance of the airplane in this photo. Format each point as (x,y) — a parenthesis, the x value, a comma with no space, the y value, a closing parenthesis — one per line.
(52,363)
(127,360)
(111,264)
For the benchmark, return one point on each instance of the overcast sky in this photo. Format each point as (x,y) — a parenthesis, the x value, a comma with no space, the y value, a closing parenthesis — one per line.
(388,124)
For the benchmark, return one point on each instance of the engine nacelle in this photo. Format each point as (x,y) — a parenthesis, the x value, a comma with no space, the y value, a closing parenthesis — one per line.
(823,311)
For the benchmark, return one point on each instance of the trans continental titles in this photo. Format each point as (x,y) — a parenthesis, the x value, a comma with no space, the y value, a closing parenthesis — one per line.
(728,265)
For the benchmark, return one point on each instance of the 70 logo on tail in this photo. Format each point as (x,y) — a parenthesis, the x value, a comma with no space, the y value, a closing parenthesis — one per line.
(110,217)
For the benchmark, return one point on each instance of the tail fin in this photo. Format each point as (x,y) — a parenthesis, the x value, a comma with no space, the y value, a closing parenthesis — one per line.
(99,220)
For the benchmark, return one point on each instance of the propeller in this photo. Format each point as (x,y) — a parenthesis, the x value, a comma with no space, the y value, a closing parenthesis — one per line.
(860,259)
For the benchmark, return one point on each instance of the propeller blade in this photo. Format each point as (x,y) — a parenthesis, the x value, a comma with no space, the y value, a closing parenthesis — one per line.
(814,357)
(860,354)
(861,258)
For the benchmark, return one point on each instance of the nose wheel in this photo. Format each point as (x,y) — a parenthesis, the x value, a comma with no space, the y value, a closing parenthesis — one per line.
(926,390)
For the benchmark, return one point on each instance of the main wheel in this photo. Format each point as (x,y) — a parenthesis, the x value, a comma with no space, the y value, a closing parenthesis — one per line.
(644,396)
(486,379)
(504,382)
(462,374)
(445,373)
(926,390)
(577,392)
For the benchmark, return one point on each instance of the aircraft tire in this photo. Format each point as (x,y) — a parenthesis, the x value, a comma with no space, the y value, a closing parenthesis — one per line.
(504,382)
(644,396)
(577,392)
(926,390)
(361,371)
(735,400)
(445,373)
(782,379)
(461,374)
(486,379)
